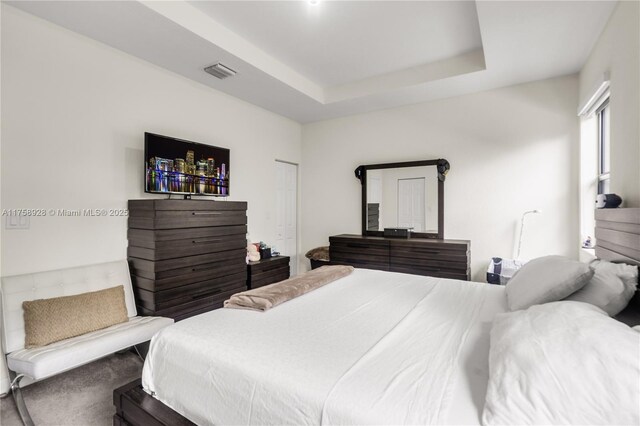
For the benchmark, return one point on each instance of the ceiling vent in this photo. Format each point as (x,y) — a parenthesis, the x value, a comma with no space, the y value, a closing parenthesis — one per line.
(220,71)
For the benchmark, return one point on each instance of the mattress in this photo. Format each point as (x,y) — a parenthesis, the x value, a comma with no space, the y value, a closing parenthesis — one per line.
(371,348)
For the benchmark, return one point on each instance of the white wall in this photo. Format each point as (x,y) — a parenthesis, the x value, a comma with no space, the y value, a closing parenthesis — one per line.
(73,116)
(511,150)
(618,52)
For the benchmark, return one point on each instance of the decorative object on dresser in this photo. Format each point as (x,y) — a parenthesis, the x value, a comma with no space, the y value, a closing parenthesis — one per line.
(267,271)
(608,201)
(186,256)
(418,256)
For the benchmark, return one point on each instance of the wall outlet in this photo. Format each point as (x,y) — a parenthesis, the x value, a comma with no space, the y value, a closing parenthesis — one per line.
(17,222)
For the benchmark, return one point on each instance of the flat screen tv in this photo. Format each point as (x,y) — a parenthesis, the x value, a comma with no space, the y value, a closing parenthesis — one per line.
(176,166)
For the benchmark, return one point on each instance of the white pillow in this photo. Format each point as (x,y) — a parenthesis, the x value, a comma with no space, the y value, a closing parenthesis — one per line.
(611,287)
(562,363)
(546,279)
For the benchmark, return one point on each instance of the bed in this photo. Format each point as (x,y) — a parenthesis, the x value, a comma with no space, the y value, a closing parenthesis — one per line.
(371,348)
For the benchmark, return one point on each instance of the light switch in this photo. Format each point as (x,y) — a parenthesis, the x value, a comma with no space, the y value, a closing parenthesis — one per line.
(17,222)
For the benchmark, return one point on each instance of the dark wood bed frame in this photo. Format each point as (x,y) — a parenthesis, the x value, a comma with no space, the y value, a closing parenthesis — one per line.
(618,240)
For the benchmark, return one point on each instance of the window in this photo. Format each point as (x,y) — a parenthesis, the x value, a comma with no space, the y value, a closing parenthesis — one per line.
(595,142)
(604,143)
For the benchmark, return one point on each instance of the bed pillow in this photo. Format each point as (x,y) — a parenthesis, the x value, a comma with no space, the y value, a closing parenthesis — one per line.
(546,279)
(562,363)
(51,320)
(611,287)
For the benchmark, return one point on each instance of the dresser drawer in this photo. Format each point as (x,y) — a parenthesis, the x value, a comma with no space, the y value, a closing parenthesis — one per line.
(189,309)
(433,251)
(187,247)
(176,296)
(265,265)
(359,260)
(429,263)
(188,219)
(156,238)
(267,271)
(139,207)
(185,276)
(202,261)
(379,266)
(358,251)
(359,242)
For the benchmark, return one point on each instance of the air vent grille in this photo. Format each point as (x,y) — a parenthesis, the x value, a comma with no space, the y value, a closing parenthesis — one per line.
(220,71)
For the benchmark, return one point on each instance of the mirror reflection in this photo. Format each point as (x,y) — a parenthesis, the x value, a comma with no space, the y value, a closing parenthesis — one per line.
(405,197)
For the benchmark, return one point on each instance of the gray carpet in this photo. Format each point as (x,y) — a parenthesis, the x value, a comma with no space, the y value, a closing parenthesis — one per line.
(83,396)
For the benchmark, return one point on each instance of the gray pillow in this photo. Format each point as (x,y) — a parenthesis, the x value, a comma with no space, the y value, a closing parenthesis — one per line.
(546,279)
(611,288)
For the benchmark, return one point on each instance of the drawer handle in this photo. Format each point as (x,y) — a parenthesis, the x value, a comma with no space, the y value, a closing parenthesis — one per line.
(205,213)
(196,269)
(204,241)
(360,246)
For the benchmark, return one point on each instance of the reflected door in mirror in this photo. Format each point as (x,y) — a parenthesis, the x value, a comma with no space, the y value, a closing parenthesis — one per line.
(405,197)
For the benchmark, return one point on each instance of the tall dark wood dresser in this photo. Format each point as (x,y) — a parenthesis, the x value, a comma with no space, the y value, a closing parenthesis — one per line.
(186,256)
(417,256)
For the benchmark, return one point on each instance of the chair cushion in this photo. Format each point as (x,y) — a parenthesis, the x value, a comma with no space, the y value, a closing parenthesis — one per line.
(59,318)
(44,361)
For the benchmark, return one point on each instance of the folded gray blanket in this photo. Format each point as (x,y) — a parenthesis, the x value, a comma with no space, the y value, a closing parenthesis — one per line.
(265,298)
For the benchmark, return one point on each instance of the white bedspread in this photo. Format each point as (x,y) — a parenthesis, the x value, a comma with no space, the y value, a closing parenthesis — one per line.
(370,348)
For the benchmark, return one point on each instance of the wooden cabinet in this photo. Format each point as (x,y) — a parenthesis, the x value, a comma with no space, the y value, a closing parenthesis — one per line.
(418,256)
(186,256)
(360,252)
(267,271)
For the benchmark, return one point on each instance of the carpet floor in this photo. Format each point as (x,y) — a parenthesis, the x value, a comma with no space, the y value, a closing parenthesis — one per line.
(83,396)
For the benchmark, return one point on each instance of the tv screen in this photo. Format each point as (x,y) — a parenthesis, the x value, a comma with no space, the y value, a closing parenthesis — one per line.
(175,166)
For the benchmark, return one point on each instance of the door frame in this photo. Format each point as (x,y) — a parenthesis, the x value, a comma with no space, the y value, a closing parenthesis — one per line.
(298,205)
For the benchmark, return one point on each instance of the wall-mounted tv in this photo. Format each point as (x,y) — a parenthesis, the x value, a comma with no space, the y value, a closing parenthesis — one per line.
(176,166)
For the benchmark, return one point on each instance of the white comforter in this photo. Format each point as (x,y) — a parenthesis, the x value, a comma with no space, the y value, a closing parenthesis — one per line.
(373,347)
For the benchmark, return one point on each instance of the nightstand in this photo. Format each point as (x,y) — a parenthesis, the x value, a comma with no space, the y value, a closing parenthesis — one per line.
(267,271)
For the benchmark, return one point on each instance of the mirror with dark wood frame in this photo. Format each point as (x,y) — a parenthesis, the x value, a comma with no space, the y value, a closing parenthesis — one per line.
(404,195)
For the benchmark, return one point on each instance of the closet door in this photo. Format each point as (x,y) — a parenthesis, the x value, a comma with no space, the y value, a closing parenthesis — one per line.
(411,203)
(287,212)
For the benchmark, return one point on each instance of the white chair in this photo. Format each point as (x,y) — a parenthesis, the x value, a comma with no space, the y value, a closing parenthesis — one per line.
(42,362)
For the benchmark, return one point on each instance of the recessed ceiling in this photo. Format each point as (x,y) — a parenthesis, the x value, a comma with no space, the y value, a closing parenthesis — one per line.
(334,42)
(338,58)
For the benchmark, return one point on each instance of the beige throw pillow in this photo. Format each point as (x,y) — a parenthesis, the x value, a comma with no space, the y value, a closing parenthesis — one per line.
(51,320)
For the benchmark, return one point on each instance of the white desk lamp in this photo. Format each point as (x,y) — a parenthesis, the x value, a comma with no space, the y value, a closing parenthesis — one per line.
(522,229)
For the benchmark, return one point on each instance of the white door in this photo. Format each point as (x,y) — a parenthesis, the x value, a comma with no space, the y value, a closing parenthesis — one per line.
(374,190)
(411,198)
(287,212)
